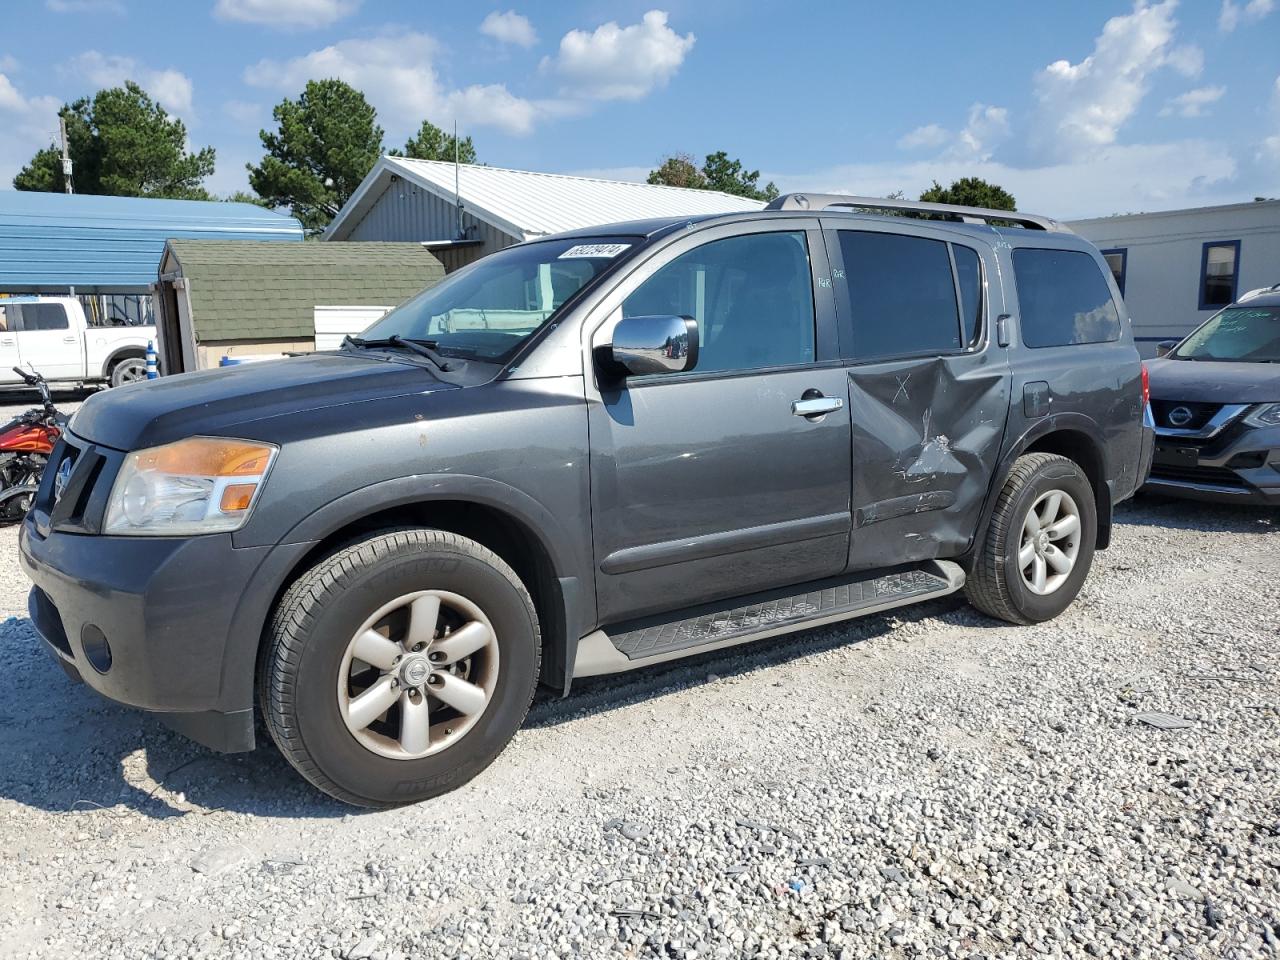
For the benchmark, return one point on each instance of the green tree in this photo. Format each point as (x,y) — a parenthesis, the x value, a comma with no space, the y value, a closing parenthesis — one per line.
(122,143)
(326,141)
(432,143)
(729,176)
(678,170)
(971,192)
(243,196)
(717,172)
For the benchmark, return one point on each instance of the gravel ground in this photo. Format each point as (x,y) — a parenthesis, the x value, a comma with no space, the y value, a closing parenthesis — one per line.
(923,784)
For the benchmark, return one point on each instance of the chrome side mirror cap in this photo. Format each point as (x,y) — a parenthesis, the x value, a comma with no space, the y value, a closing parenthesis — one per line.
(648,345)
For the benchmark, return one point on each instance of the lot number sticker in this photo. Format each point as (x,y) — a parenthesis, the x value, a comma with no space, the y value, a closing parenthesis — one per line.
(593,250)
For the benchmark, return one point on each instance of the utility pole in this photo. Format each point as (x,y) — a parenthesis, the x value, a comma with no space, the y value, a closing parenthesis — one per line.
(457,195)
(66,154)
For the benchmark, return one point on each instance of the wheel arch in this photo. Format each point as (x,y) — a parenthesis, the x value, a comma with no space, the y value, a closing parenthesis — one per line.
(127,352)
(1073,436)
(511,524)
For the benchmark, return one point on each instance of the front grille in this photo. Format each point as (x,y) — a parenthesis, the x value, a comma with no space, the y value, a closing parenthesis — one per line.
(1200,413)
(1218,476)
(80,506)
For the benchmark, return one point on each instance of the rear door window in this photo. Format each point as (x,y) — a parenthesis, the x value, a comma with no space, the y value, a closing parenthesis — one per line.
(901,295)
(1063,298)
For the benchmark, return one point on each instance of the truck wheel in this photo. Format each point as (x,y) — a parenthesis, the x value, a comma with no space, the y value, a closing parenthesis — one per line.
(398,668)
(128,370)
(1039,545)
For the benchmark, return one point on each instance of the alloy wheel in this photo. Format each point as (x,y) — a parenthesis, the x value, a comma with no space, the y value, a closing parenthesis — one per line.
(418,674)
(1050,542)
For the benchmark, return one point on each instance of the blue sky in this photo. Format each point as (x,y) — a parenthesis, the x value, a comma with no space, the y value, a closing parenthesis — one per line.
(1081,108)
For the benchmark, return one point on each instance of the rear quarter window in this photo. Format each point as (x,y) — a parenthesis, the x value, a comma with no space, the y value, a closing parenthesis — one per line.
(1063,299)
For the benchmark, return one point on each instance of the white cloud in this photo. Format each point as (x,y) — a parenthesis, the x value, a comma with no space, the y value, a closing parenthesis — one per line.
(1082,106)
(170,88)
(286,13)
(927,137)
(986,127)
(29,122)
(1193,103)
(86,6)
(245,113)
(1233,14)
(1114,179)
(509,27)
(396,74)
(620,63)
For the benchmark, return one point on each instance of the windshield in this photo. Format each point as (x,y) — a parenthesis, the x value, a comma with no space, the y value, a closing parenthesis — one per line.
(1245,334)
(485,311)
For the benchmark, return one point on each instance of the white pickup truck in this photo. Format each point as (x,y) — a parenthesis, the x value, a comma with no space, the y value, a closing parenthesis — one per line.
(51,335)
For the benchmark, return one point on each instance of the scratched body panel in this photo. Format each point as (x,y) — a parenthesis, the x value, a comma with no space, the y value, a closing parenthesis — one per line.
(926,434)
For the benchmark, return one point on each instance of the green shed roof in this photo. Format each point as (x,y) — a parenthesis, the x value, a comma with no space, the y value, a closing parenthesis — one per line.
(251,290)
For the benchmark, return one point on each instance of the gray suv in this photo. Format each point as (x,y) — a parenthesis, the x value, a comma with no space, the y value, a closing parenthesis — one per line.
(588,454)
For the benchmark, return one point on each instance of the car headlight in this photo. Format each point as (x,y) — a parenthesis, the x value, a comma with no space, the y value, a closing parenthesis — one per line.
(1267,415)
(197,485)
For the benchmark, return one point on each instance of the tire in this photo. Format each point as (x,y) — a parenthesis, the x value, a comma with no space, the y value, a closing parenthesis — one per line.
(310,681)
(128,370)
(999,584)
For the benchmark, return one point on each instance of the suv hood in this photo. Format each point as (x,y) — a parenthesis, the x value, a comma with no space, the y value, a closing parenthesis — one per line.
(1214,381)
(215,402)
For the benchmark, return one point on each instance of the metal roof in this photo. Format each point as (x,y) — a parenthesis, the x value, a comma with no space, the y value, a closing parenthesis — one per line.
(528,205)
(241,290)
(50,242)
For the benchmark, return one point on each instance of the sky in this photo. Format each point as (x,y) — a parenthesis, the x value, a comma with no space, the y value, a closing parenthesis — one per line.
(1085,108)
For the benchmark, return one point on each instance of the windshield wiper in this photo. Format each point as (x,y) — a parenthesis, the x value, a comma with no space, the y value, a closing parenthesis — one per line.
(423,348)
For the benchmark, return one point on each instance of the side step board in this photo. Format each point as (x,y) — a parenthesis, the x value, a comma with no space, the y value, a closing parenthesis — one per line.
(806,605)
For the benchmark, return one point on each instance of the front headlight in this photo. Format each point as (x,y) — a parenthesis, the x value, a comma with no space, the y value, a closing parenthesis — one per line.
(1267,415)
(197,485)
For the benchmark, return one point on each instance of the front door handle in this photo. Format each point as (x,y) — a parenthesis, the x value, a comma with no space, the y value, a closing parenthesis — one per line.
(816,406)
(68,339)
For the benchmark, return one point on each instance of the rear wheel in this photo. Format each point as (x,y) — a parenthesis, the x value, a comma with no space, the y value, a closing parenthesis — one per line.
(128,370)
(398,668)
(1039,546)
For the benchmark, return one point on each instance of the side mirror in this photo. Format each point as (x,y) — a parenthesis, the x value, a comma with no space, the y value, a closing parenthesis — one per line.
(641,345)
(1164,347)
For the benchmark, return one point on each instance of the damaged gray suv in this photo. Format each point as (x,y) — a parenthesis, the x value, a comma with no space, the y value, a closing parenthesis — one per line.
(588,454)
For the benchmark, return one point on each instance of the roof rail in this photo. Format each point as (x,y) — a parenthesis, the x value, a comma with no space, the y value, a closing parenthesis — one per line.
(825,201)
(1274,288)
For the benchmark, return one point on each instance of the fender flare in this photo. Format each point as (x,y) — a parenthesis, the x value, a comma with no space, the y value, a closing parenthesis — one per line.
(1054,423)
(239,662)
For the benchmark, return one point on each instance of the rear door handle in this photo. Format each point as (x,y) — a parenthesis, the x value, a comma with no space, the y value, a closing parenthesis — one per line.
(816,406)
(68,339)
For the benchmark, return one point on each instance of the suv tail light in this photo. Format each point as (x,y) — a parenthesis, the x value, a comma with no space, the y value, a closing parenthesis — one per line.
(1146,387)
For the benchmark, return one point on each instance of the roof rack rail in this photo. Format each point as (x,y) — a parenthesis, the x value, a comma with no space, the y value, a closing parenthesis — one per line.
(1274,288)
(825,201)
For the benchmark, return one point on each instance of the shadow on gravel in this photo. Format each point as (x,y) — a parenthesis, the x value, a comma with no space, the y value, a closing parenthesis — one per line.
(602,694)
(65,749)
(1152,510)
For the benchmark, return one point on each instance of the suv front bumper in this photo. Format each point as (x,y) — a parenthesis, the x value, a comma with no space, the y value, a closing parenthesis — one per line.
(1245,469)
(168,609)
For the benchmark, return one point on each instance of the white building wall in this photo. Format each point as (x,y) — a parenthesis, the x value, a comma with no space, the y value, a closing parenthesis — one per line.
(1164,254)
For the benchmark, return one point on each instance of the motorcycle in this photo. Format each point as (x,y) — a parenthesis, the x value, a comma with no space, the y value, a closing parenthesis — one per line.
(26,442)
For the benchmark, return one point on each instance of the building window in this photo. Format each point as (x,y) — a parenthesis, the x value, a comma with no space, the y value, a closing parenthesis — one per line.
(1219,271)
(1117,260)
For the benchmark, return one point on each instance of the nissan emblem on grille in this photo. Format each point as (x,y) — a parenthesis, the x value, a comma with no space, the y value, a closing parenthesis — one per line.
(1180,416)
(60,478)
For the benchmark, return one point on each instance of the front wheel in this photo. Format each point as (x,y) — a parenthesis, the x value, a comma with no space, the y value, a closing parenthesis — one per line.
(1039,546)
(397,668)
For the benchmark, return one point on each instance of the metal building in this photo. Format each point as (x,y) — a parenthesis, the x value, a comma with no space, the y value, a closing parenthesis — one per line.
(1178,267)
(105,249)
(465,212)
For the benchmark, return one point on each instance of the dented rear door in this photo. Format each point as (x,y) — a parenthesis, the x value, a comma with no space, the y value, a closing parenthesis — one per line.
(928,403)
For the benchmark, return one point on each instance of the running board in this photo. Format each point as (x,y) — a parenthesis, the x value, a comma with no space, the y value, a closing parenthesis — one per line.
(806,605)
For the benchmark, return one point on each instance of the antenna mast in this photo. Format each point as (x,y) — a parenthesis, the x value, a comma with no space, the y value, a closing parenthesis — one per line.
(66,154)
(457,195)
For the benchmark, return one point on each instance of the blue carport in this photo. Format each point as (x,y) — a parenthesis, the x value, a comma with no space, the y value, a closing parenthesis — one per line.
(107,249)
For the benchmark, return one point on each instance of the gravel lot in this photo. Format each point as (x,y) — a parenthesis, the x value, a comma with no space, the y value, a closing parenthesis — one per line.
(924,784)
